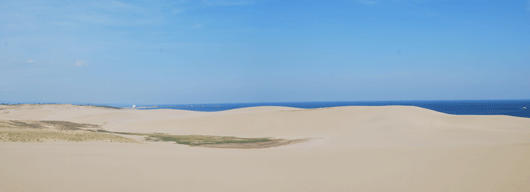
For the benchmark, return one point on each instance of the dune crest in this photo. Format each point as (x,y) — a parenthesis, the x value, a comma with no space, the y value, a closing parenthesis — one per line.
(360,148)
(354,126)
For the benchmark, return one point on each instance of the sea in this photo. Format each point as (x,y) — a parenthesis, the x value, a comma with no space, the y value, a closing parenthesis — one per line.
(517,108)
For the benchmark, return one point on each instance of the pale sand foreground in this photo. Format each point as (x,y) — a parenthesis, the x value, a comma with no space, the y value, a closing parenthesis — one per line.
(389,148)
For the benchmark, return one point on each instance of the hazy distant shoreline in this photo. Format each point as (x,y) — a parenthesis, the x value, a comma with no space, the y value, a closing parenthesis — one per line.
(517,108)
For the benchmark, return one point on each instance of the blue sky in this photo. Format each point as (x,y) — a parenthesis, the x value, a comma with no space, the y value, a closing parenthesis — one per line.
(225,51)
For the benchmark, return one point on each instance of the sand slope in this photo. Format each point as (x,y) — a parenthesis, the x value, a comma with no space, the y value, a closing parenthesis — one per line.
(390,148)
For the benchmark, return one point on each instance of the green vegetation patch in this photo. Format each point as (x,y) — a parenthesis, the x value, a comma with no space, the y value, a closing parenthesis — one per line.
(39,131)
(193,140)
(40,135)
(66,125)
(196,140)
(59,125)
(22,124)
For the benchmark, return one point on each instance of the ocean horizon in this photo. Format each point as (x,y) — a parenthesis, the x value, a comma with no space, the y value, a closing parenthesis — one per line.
(517,108)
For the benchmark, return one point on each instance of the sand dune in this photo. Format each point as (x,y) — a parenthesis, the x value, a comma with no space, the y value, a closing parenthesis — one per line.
(389,148)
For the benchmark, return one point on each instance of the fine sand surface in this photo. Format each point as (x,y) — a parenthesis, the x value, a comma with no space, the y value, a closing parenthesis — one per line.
(388,148)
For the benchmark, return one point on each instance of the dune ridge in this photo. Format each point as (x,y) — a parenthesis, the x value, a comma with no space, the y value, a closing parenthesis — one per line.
(358,148)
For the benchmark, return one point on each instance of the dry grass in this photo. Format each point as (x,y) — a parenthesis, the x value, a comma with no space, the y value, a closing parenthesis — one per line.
(197,140)
(58,125)
(36,135)
(257,145)
(214,141)
(65,125)
(39,131)
(22,124)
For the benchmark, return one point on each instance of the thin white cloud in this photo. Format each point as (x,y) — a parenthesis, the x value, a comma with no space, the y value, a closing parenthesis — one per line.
(80,64)
(226,2)
(407,1)
(177,10)
(120,4)
(431,13)
(30,61)
(116,6)
(85,14)
(196,26)
(378,2)
(369,2)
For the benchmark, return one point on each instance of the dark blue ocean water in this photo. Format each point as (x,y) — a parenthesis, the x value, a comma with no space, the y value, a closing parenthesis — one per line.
(518,108)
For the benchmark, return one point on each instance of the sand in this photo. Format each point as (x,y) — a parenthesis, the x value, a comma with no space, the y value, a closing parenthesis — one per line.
(388,148)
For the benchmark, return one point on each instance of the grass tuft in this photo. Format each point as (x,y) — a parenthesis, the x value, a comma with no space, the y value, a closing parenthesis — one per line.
(36,135)
(40,131)
(193,140)
(196,140)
